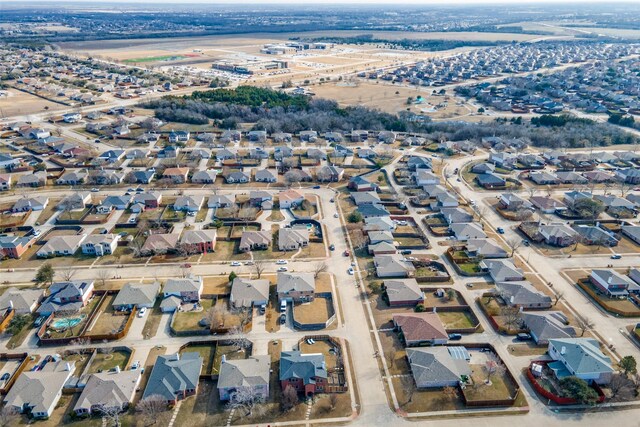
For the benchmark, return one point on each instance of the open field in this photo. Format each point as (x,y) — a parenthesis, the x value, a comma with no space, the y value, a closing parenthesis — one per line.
(17,103)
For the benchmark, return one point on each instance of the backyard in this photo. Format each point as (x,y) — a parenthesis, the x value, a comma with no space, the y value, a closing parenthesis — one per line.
(317,311)
(108,321)
(71,324)
(107,360)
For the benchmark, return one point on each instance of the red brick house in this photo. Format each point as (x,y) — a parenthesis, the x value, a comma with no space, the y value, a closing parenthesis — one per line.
(306,373)
(199,241)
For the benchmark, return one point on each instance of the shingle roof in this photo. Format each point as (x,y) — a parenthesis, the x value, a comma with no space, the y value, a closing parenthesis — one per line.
(137,294)
(425,326)
(109,390)
(295,282)
(245,291)
(306,367)
(244,372)
(171,374)
(436,365)
(582,355)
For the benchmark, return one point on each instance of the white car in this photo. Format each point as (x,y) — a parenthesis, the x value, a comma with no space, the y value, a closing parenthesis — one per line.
(282,262)
(142,312)
(335,215)
(282,269)
(235,264)
(135,365)
(350,271)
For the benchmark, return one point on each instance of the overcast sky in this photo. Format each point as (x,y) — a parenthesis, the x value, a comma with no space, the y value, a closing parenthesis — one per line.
(390,2)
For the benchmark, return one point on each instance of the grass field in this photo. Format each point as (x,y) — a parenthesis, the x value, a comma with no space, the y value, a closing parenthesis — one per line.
(154,59)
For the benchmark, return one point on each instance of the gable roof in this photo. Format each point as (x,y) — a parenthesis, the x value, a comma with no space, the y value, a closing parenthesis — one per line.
(425,326)
(174,373)
(296,282)
(20,299)
(249,372)
(521,293)
(403,290)
(436,365)
(109,389)
(245,291)
(183,284)
(582,355)
(548,324)
(295,365)
(137,293)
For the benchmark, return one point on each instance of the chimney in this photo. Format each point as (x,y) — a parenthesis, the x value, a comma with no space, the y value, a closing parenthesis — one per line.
(563,350)
(609,279)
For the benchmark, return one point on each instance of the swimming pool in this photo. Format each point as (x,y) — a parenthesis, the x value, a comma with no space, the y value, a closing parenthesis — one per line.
(66,322)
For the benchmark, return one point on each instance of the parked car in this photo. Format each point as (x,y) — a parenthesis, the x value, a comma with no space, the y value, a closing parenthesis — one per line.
(262,309)
(332,247)
(95,190)
(455,337)
(142,312)
(283,306)
(405,252)
(235,264)
(500,230)
(316,187)
(346,253)
(283,319)
(249,263)
(616,256)
(282,269)
(523,337)
(335,215)
(350,271)
(135,365)
(332,200)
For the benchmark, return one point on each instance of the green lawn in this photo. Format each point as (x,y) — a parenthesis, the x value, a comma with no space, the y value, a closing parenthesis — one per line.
(457,319)
(105,362)
(188,321)
(206,352)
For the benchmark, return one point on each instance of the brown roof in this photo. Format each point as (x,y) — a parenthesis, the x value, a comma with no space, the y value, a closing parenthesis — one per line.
(420,326)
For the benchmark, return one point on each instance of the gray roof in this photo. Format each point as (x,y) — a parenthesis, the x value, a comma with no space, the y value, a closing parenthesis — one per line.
(288,237)
(471,230)
(109,390)
(387,265)
(20,299)
(501,269)
(403,290)
(436,365)
(39,389)
(365,197)
(582,355)
(546,325)
(456,215)
(295,282)
(173,373)
(137,294)
(307,367)
(245,291)
(486,248)
(183,284)
(521,293)
(191,237)
(244,372)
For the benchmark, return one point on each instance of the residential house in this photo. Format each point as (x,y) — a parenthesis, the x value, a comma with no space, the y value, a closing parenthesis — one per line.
(12,246)
(174,377)
(225,154)
(36,179)
(513,202)
(466,231)
(110,391)
(571,197)
(485,249)
(295,287)
(150,200)
(595,235)
(364,198)
(68,296)
(61,246)
(501,270)
(425,177)
(26,204)
(75,201)
(617,206)
(490,180)
(75,177)
(580,357)
(292,239)
(558,234)
(142,177)
(547,325)
(437,367)
(259,136)
(373,210)
(38,392)
(456,216)
(290,198)
(308,136)
(247,293)
(5,182)
(21,300)
(546,205)
(199,241)
(180,136)
(204,176)
(393,266)
(417,329)
(306,373)
(482,168)
(571,177)
(221,201)
(405,292)
(138,295)
(282,152)
(329,174)
(611,282)
(176,175)
(358,183)
(118,203)
(522,294)
(187,289)
(188,203)
(632,232)
(379,223)
(249,375)
(160,243)
(266,175)
(543,178)
(628,176)
(254,240)
(418,162)
(236,177)
(100,244)
(168,152)
(111,156)
(258,197)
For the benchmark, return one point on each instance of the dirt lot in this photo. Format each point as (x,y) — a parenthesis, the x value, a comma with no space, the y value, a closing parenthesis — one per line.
(21,103)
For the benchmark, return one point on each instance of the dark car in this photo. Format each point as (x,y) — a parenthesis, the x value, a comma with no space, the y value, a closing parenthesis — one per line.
(316,187)
(405,252)
(500,230)
(523,337)
(455,337)
(283,319)
(332,247)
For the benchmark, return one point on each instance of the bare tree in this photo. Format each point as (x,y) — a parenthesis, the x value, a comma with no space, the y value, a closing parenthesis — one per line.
(584,324)
(136,247)
(79,344)
(67,273)
(216,315)
(512,317)
(289,398)
(558,296)
(259,267)
(493,366)
(358,239)
(9,416)
(319,267)
(102,275)
(624,187)
(238,337)
(246,399)
(513,245)
(333,401)
(152,409)
(110,413)
(622,388)
(408,385)
(66,319)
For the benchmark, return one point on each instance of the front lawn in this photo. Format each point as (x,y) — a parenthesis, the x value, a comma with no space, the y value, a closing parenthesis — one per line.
(105,361)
